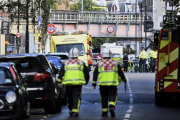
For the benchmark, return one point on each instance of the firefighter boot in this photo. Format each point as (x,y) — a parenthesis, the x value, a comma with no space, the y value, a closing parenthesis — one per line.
(104,114)
(111,109)
(71,114)
(76,115)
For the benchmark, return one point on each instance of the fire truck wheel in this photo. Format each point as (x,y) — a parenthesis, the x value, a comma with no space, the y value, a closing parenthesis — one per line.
(158,99)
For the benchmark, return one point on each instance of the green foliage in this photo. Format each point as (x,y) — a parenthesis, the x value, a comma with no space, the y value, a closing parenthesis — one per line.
(97,42)
(87,4)
(173,2)
(129,51)
(34,8)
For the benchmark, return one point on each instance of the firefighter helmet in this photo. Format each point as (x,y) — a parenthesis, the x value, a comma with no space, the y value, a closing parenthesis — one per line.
(74,52)
(106,53)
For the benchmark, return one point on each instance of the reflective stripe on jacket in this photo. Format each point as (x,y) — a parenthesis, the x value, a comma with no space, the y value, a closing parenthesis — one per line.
(143,55)
(74,72)
(108,73)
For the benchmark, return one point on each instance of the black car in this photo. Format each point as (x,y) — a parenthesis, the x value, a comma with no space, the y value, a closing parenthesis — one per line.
(56,61)
(41,80)
(62,56)
(14,103)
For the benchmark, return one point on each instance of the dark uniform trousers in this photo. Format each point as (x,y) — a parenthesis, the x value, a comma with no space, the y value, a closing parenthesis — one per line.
(154,60)
(108,93)
(74,96)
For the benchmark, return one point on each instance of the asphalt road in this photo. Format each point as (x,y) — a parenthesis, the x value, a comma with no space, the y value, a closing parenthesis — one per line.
(137,103)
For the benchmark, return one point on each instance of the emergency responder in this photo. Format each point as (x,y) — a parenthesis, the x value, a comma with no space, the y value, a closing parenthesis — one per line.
(125,62)
(75,74)
(110,76)
(150,55)
(143,56)
(131,65)
(154,59)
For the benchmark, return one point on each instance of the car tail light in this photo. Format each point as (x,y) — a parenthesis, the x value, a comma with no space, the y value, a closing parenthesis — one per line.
(40,76)
(161,84)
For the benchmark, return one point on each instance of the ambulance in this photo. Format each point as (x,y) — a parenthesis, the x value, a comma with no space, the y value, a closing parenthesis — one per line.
(167,78)
(64,41)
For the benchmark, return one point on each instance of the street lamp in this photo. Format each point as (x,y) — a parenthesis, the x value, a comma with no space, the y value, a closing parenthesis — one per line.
(27,26)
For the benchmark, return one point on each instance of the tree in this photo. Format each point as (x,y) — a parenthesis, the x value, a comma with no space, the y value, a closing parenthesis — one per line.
(34,11)
(86,5)
(173,2)
(97,42)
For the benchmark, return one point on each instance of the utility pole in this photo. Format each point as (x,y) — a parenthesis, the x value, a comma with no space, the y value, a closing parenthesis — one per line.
(136,30)
(82,5)
(27,26)
(18,30)
(145,22)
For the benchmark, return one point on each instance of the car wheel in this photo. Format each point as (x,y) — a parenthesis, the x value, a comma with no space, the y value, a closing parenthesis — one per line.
(20,115)
(50,105)
(27,111)
(58,102)
(158,99)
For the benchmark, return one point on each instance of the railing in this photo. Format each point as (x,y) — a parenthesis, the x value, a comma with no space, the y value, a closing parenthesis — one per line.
(97,17)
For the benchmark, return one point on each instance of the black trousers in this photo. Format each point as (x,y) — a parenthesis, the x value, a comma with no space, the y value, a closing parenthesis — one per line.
(74,97)
(108,93)
(154,60)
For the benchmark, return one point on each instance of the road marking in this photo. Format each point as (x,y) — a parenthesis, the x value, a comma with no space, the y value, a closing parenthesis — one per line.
(128,113)
(127,116)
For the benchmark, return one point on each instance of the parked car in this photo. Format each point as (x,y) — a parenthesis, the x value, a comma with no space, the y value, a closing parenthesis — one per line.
(42,86)
(62,56)
(14,103)
(57,62)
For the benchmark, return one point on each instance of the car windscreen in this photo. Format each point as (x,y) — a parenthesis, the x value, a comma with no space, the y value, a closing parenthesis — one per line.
(57,62)
(29,64)
(6,77)
(65,48)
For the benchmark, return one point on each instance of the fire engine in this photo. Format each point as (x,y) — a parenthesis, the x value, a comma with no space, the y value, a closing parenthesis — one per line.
(167,81)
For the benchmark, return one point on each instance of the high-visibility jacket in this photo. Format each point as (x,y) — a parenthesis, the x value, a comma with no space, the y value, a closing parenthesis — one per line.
(154,54)
(74,72)
(151,53)
(108,73)
(143,55)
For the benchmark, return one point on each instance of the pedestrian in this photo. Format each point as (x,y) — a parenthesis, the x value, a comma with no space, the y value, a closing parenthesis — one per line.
(125,62)
(110,75)
(75,74)
(143,57)
(154,59)
(150,55)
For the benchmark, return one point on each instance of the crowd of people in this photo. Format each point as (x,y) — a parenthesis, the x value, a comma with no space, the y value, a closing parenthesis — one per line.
(145,64)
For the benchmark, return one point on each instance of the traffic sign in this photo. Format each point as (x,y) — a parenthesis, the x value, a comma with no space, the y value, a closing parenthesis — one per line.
(51,28)
(39,21)
(110,29)
(18,35)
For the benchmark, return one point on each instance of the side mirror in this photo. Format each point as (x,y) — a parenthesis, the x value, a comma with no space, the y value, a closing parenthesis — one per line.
(55,69)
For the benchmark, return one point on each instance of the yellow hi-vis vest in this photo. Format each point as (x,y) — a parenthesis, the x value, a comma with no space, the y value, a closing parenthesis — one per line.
(151,53)
(108,73)
(74,72)
(143,55)
(154,54)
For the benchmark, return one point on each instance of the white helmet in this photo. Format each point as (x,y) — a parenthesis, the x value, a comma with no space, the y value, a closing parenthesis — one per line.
(106,53)
(74,52)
